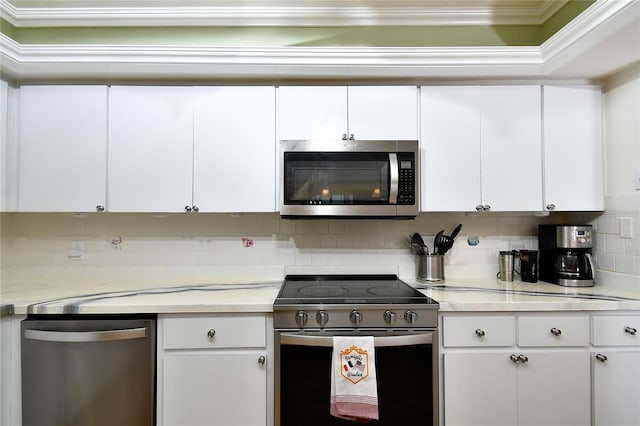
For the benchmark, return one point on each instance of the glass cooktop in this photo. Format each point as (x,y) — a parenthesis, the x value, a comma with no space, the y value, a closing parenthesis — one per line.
(348,289)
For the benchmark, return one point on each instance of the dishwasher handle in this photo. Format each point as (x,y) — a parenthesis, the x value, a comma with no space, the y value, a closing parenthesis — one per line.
(86,336)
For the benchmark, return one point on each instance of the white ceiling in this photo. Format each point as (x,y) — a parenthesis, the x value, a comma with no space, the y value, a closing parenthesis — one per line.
(599,42)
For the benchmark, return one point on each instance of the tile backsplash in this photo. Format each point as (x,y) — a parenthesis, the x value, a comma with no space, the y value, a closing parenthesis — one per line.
(616,253)
(198,248)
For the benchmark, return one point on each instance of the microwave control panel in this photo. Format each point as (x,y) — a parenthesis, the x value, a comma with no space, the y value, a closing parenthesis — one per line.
(406,178)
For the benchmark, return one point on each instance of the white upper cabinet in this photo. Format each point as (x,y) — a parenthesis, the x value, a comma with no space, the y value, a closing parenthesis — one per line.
(234,157)
(151,149)
(573,158)
(511,155)
(481,148)
(62,133)
(4,136)
(354,112)
(383,112)
(315,112)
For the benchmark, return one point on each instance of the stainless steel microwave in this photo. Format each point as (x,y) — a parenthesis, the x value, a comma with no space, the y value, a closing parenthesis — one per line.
(349,178)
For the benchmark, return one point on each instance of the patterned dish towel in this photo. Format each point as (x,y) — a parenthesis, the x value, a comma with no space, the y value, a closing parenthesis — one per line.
(354,391)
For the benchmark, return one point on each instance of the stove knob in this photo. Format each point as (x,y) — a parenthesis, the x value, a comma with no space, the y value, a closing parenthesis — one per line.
(411,317)
(301,318)
(322,318)
(390,317)
(356,317)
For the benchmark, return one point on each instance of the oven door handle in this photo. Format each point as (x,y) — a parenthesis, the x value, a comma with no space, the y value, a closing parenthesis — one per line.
(379,341)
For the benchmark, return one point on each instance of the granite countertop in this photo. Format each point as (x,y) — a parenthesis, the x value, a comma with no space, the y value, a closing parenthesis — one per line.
(457,295)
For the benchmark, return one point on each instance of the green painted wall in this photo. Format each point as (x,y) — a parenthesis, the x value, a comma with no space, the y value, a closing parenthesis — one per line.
(386,36)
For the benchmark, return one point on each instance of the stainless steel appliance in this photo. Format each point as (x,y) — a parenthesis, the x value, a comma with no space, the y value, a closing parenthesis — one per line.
(88,371)
(528,266)
(565,255)
(349,178)
(310,310)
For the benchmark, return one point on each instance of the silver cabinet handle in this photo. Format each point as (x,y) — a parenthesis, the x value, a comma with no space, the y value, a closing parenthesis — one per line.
(352,137)
(479,207)
(195,209)
(601,358)
(344,136)
(480,333)
(99,208)
(211,334)
(523,359)
(555,331)
(86,336)
(551,206)
(262,360)
(486,207)
(630,330)
(514,358)
(187,208)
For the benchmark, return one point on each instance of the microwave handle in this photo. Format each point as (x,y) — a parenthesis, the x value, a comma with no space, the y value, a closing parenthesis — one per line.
(393,185)
(379,341)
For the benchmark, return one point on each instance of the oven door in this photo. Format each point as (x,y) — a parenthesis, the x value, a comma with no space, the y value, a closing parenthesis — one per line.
(406,369)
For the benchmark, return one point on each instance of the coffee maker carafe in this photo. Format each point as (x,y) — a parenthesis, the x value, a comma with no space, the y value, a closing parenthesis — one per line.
(565,255)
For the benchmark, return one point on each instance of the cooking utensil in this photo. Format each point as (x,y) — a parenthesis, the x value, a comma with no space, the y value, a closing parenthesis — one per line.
(418,245)
(446,242)
(456,231)
(437,240)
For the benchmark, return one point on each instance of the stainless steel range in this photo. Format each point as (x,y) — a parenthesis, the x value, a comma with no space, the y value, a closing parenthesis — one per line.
(311,309)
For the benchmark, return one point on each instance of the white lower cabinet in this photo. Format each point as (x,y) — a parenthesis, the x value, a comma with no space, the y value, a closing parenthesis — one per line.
(212,370)
(503,370)
(616,370)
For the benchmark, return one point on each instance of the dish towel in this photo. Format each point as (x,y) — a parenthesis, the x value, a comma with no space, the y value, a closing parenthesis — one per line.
(354,391)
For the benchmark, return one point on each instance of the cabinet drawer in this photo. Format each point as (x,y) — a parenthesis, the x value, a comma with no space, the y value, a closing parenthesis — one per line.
(479,331)
(616,330)
(536,330)
(214,332)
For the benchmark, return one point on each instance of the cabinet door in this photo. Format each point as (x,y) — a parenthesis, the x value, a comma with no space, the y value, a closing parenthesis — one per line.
(616,389)
(151,149)
(234,156)
(450,148)
(511,153)
(4,137)
(383,112)
(62,133)
(479,389)
(201,389)
(573,157)
(554,388)
(314,112)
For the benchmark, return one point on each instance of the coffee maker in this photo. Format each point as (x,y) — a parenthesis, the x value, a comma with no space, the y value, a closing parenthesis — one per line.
(565,255)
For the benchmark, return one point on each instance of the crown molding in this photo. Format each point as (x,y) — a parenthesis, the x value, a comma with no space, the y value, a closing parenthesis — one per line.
(188,62)
(149,63)
(282,13)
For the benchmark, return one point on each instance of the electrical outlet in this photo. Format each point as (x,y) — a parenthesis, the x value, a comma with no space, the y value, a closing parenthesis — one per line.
(77,250)
(626,227)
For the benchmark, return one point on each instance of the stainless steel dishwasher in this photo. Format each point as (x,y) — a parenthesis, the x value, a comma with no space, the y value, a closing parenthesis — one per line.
(88,370)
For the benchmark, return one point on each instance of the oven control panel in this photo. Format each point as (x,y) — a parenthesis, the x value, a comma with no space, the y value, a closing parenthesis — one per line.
(356,317)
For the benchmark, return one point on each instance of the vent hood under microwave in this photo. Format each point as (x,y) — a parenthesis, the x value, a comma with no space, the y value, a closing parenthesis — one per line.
(349,178)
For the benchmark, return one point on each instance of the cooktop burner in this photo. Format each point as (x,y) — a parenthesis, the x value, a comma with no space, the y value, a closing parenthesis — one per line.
(314,302)
(348,289)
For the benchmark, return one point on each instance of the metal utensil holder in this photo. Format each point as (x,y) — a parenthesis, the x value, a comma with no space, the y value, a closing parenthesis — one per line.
(431,268)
